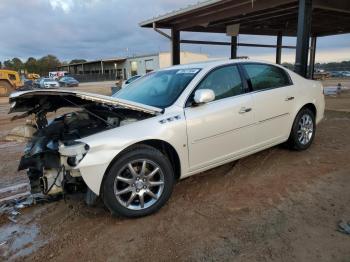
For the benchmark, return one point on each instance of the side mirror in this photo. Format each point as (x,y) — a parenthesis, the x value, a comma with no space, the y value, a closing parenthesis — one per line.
(203,96)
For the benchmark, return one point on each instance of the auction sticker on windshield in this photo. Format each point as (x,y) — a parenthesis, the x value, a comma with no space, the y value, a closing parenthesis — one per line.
(188,71)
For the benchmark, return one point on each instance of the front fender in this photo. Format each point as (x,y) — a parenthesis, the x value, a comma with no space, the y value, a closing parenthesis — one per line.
(107,145)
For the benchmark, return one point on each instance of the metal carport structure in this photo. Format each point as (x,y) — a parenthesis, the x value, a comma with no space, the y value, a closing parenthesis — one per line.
(300,18)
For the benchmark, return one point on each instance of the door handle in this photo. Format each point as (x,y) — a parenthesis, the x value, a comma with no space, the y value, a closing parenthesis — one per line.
(244,110)
(289,98)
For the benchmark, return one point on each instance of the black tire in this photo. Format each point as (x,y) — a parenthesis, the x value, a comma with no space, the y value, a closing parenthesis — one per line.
(293,141)
(143,152)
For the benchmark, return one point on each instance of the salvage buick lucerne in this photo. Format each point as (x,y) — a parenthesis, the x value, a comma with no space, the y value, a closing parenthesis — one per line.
(131,148)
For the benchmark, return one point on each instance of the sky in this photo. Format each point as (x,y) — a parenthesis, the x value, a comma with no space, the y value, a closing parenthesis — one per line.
(95,29)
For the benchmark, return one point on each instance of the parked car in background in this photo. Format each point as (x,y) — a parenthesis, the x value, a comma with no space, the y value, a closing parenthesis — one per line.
(36,83)
(335,74)
(176,122)
(130,80)
(346,73)
(68,81)
(48,83)
(26,81)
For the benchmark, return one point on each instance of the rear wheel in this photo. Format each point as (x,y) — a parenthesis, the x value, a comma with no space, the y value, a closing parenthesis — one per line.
(139,183)
(5,88)
(303,130)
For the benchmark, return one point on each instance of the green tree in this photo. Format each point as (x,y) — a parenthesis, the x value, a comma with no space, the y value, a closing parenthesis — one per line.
(8,64)
(48,63)
(31,65)
(17,64)
(288,65)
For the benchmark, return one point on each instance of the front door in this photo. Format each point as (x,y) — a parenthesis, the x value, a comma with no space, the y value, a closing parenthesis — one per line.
(223,128)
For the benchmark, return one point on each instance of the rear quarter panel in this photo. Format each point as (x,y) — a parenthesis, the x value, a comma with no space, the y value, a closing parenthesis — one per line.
(306,92)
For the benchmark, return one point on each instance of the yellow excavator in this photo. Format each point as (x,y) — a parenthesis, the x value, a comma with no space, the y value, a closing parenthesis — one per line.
(9,82)
(32,76)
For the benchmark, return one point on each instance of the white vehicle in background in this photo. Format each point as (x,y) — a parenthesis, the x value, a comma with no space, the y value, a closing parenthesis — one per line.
(48,83)
(346,73)
(131,148)
(130,80)
(57,74)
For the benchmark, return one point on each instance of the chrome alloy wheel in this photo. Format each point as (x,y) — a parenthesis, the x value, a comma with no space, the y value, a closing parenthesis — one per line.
(305,129)
(139,184)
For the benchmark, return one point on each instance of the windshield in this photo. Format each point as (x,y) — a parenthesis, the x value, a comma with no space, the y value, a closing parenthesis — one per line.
(159,89)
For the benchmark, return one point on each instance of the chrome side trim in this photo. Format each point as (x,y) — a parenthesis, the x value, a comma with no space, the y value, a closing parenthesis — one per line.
(274,117)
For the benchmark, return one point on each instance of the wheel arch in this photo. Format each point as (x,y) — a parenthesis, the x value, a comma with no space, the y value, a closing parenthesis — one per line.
(158,144)
(310,106)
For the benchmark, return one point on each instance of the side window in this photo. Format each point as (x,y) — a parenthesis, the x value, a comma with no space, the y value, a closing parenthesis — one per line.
(266,76)
(12,77)
(225,82)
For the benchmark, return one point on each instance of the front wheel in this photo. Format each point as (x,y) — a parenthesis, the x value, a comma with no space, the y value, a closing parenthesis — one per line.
(139,183)
(303,130)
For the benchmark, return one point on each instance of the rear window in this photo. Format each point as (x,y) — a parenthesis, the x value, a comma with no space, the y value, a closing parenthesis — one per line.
(263,76)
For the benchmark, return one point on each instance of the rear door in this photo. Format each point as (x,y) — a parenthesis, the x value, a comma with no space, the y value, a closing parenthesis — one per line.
(221,129)
(273,96)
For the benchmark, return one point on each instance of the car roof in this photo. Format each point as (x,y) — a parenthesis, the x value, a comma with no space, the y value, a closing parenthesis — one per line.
(215,63)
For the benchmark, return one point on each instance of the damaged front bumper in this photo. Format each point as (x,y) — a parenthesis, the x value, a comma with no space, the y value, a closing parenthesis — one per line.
(58,158)
(52,166)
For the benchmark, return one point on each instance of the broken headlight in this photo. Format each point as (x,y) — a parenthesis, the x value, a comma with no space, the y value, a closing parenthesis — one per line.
(75,152)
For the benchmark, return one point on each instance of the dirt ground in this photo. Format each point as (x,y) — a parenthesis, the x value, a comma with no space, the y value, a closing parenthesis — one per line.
(276,205)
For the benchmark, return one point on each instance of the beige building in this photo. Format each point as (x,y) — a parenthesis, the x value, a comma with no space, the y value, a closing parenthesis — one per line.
(185,57)
(123,68)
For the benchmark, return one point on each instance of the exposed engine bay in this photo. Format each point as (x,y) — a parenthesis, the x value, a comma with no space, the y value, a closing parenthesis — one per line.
(53,152)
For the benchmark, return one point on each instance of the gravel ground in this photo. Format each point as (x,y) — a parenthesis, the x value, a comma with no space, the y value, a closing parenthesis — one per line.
(276,205)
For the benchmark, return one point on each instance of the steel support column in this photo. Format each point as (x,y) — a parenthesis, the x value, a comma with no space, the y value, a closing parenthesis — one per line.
(233,47)
(175,47)
(312,57)
(279,48)
(303,35)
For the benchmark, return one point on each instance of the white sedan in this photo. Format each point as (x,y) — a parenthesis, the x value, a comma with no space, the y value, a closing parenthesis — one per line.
(48,83)
(130,80)
(131,148)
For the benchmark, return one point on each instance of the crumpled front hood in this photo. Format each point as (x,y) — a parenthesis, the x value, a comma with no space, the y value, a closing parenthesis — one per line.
(34,101)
